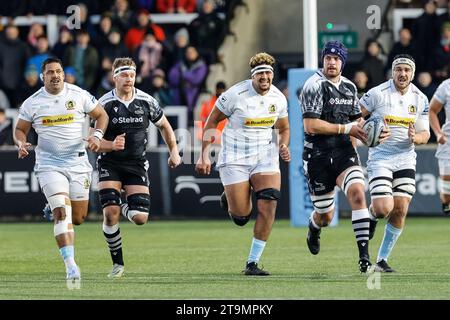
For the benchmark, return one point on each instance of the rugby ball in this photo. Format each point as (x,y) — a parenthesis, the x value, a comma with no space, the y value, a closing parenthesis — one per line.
(373,127)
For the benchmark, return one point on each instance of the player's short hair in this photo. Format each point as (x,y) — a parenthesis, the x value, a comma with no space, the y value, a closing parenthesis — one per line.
(261,58)
(122,65)
(50,60)
(123,62)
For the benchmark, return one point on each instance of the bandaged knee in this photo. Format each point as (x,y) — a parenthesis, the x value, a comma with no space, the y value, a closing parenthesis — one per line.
(138,203)
(240,220)
(64,225)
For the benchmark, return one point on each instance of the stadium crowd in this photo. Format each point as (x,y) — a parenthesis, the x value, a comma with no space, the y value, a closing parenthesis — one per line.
(173,59)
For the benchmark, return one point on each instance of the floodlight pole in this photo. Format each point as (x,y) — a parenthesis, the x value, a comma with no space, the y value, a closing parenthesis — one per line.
(310,34)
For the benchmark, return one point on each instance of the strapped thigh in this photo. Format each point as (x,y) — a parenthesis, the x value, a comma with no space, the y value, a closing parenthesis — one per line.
(380,187)
(323,203)
(353,175)
(404,183)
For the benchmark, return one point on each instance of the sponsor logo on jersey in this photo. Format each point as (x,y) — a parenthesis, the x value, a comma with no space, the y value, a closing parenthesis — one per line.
(412,109)
(272,108)
(259,122)
(340,101)
(398,121)
(127,120)
(55,120)
(70,105)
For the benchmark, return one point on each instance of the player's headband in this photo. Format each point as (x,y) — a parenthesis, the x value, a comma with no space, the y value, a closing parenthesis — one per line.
(407,61)
(261,68)
(119,70)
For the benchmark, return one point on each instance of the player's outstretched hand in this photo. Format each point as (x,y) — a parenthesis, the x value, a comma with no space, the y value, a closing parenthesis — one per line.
(93,143)
(203,166)
(359,133)
(119,142)
(285,154)
(23,150)
(174,160)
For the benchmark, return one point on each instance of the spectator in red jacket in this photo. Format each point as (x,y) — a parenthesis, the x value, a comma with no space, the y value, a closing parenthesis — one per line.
(206,109)
(176,6)
(135,36)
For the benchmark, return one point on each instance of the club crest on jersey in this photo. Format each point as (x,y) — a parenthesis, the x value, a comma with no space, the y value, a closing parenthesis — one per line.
(272,108)
(70,105)
(138,111)
(86,184)
(412,109)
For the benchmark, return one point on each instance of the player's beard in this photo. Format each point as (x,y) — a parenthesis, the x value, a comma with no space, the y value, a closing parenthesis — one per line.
(264,86)
(126,89)
(403,83)
(332,73)
(55,87)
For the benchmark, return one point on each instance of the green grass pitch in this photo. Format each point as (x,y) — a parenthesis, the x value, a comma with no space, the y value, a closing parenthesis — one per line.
(204,260)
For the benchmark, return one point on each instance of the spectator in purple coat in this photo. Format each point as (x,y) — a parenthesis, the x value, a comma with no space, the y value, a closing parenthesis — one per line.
(186,79)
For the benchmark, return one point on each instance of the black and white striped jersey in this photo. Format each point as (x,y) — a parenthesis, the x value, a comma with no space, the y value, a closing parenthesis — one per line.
(332,102)
(132,118)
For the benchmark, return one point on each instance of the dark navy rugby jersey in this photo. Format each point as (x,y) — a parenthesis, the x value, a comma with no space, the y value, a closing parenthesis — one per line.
(322,99)
(132,118)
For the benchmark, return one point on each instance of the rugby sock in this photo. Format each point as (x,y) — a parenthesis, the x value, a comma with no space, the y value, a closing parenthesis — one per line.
(68,255)
(390,237)
(256,250)
(360,223)
(114,241)
(312,223)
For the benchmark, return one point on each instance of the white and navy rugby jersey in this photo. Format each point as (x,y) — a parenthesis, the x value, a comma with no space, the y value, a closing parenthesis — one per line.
(442,95)
(251,116)
(132,118)
(399,111)
(58,120)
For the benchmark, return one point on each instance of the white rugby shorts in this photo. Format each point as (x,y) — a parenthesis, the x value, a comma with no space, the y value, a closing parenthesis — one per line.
(235,173)
(380,168)
(444,167)
(75,184)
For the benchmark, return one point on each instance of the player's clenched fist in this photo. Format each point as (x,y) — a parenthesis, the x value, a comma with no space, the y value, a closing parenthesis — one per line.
(119,142)
(285,154)
(203,166)
(93,143)
(23,149)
